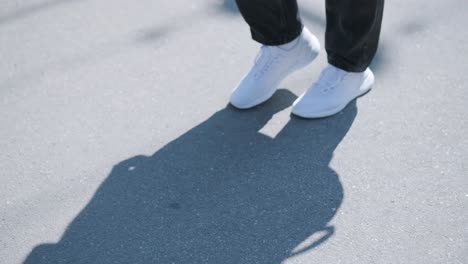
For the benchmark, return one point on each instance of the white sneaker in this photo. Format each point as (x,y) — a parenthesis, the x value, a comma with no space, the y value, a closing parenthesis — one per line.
(271,66)
(330,94)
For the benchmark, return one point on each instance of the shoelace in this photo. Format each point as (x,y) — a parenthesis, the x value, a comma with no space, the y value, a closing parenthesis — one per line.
(330,78)
(264,57)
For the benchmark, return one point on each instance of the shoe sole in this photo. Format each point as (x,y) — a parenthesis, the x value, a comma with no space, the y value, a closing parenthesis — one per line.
(314,54)
(366,86)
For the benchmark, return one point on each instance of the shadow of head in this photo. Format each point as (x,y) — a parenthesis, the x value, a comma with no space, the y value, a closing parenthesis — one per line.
(220,193)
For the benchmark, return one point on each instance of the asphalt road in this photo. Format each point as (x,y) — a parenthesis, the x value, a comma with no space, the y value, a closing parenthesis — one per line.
(118,146)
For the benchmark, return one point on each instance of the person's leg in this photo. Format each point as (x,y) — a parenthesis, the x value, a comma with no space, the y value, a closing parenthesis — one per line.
(287,46)
(352,34)
(272,22)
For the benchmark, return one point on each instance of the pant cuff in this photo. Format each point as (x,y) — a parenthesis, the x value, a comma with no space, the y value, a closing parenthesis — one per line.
(346,65)
(280,40)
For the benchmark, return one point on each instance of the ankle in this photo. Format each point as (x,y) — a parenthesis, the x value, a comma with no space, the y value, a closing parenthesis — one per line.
(290,45)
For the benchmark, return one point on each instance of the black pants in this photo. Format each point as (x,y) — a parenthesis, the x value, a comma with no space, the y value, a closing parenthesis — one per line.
(352,33)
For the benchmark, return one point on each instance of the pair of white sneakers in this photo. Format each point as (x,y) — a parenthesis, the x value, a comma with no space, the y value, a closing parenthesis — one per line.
(330,94)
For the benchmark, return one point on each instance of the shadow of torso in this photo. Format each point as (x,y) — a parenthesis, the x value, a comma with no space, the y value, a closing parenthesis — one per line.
(220,193)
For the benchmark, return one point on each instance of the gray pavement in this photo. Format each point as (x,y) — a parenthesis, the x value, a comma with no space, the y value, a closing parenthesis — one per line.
(117,144)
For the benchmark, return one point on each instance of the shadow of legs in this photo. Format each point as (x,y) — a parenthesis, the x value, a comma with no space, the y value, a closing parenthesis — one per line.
(220,193)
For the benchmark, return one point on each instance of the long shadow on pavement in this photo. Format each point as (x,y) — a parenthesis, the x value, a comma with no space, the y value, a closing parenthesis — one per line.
(220,193)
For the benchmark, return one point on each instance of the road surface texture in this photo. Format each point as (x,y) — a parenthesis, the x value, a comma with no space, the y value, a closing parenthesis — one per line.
(118,146)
